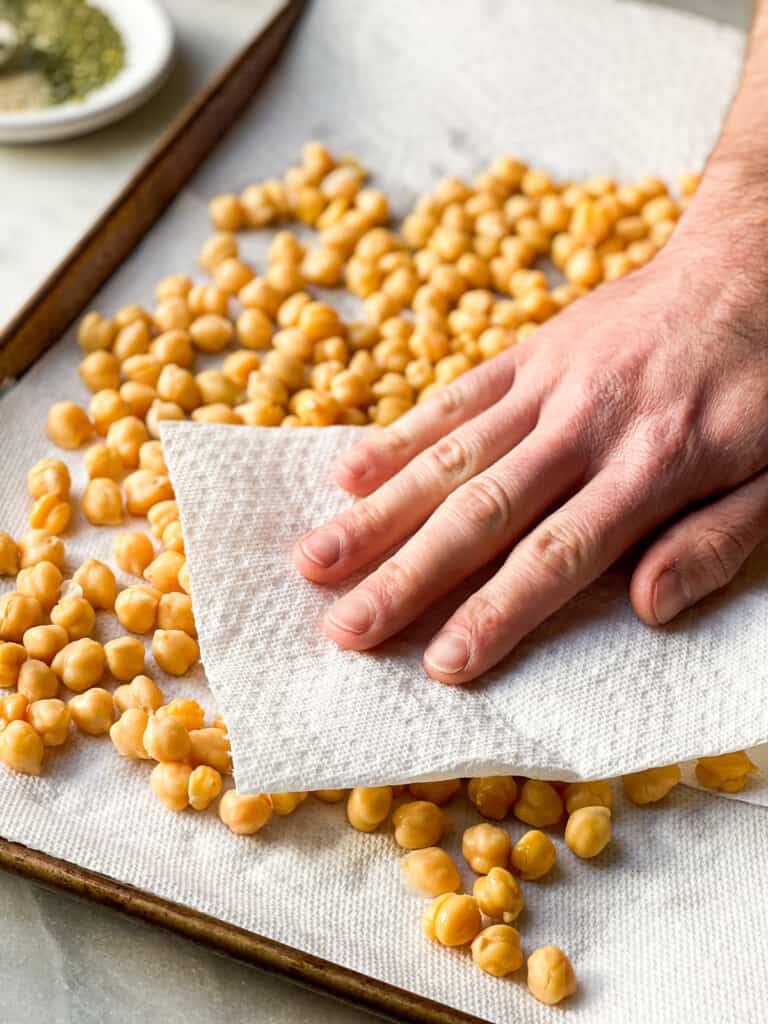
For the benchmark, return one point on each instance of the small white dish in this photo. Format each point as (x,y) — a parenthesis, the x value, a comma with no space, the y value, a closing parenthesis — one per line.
(147,34)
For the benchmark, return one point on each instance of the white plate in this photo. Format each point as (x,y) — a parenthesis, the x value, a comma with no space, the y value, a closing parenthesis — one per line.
(147,34)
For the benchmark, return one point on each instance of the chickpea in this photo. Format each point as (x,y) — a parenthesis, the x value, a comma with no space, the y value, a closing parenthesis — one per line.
(418,824)
(207,298)
(75,615)
(451,919)
(184,581)
(140,693)
(285,368)
(163,572)
(172,347)
(539,804)
(9,555)
(533,855)
(173,538)
(435,792)
(80,664)
(130,314)
(245,814)
(430,872)
(99,370)
(260,294)
(218,412)
(232,274)
(493,796)
(550,975)
(173,284)
(175,612)
(127,733)
(43,643)
(143,489)
(41,581)
(136,608)
(50,514)
(137,397)
(290,310)
(102,502)
(166,738)
(48,476)
(226,213)
(203,786)
(588,831)
(18,613)
(260,413)
(21,749)
(132,340)
(93,712)
(368,807)
(68,425)
(315,408)
(169,781)
(50,719)
(725,772)
(216,387)
(652,785)
(584,267)
(97,582)
(103,461)
(160,411)
(496,950)
(211,332)
(498,895)
(37,681)
(587,794)
(12,658)
(285,803)
(485,846)
(318,320)
(219,247)
(125,657)
(95,332)
(13,708)
(174,651)
(177,385)
(126,436)
(161,514)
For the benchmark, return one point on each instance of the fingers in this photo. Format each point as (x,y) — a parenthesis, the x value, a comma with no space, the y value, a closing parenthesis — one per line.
(372,461)
(470,527)
(374,525)
(701,553)
(565,553)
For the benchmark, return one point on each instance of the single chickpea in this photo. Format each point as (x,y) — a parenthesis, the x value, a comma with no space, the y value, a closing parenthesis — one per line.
(493,796)
(211,332)
(21,749)
(130,314)
(176,384)
(587,794)
(261,413)
(166,738)
(12,658)
(496,950)
(333,348)
(80,664)
(217,412)
(389,409)
(136,608)
(48,476)
(143,489)
(418,824)
(102,502)
(485,846)
(50,719)
(533,855)
(285,278)
(161,514)
(175,612)
(169,782)
(93,712)
(68,425)
(18,613)
(219,247)
(13,708)
(184,581)
(203,786)
(430,872)
(137,397)
(368,807)
(207,298)
(75,615)
(9,555)
(232,274)
(159,411)
(133,551)
(564,294)
(43,643)
(125,657)
(452,920)
(285,803)
(173,538)
(50,514)
(37,681)
(350,389)
(103,461)
(287,369)
(584,267)
(725,772)
(95,332)
(163,572)
(588,831)
(539,804)
(126,436)
(435,792)
(141,693)
(498,895)
(41,581)
(173,347)
(97,582)
(100,369)
(174,651)
(328,796)
(188,712)
(550,975)
(217,387)
(652,785)
(226,212)
(127,733)
(315,408)
(290,310)
(173,284)
(260,294)
(374,204)
(263,387)
(245,814)
(318,320)
(151,457)
(131,340)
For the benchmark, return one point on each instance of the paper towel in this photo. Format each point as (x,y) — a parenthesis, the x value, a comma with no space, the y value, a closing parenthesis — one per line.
(669,925)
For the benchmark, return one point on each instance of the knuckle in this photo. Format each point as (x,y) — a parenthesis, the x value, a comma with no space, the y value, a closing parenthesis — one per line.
(393,440)
(484,620)
(483,502)
(721,552)
(562,550)
(447,401)
(451,456)
(390,583)
(362,521)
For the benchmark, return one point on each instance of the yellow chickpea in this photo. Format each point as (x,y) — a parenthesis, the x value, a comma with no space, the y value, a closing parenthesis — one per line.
(539,804)
(652,785)
(127,734)
(435,792)
(163,572)
(496,950)
(166,738)
(18,613)
(498,895)
(102,502)
(125,657)
(50,719)
(95,332)
(132,340)
(725,772)
(68,425)
(550,975)
(41,581)
(151,457)
(161,514)
(315,408)
(173,284)
(21,749)
(136,608)
(584,267)
(318,320)
(37,681)
(100,369)
(245,814)
(175,612)
(203,786)
(328,796)
(43,643)
(101,460)
(133,551)
(184,581)
(137,397)
(211,747)
(430,872)
(131,314)
(80,664)
(174,651)
(12,658)
(260,294)
(75,615)
(210,332)
(418,824)
(587,794)
(493,796)
(260,413)
(143,489)
(140,693)
(173,347)
(285,803)
(219,247)
(285,368)
(141,368)
(218,412)
(368,807)
(93,712)
(452,920)
(169,782)
(9,555)
(48,476)
(188,712)
(160,411)
(533,855)
(226,213)
(177,384)
(97,582)
(13,708)
(588,831)
(485,846)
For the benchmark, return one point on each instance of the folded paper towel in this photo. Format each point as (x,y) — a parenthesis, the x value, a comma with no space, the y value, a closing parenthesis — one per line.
(592,693)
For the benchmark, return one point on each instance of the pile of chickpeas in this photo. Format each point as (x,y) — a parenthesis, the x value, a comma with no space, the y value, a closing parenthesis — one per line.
(466,277)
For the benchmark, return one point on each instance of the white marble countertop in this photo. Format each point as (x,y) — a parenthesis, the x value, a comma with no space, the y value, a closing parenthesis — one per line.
(65,960)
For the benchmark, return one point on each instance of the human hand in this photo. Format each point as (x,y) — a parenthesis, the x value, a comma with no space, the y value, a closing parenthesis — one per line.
(638,402)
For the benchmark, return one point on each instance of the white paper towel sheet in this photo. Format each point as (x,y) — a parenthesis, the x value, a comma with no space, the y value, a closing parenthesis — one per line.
(670,924)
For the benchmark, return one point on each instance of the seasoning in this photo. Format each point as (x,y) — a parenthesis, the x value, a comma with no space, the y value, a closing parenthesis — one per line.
(65,49)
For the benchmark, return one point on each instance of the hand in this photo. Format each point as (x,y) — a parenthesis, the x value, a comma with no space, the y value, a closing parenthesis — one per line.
(634,405)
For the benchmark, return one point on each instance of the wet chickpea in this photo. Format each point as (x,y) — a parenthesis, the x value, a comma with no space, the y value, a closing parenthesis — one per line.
(136,608)
(496,950)
(9,555)
(727,773)
(97,582)
(100,369)
(142,692)
(174,651)
(12,657)
(127,734)
(103,461)
(188,712)
(125,657)
(37,681)
(95,332)
(285,278)
(539,804)
(435,792)
(18,613)
(261,413)
(587,794)
(169,782)
(368,807)
(550,975)
(137,397)
(430,872)
(498,895)
(161,514)
(41,581)
(265,388)
(533,855)
(588,831)
(493,796)
(143,489)
(80,664)
(203,786)
(184,582)
(452,920)
(485,846)
(418,824)
(315,408)
(102,502)
(93,712)
(245,814)
(350,389)
(173,538)
(318,320)
(651,785)
(21,749)
(68,425)
(217,388)
(172,347)
(260,294)
(43,643)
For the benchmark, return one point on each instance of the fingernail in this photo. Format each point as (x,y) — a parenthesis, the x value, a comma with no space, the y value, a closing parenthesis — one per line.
(353,613)
(670,595)
(354,463)
(448,652)
(323,547)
